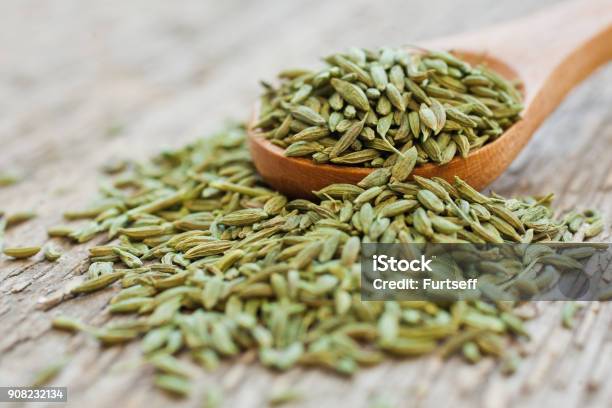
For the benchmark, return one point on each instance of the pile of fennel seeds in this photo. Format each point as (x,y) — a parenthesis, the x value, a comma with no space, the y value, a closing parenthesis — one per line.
(211,262)
(366,105)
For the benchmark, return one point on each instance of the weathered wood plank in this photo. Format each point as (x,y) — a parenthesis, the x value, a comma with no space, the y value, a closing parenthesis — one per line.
(83,82)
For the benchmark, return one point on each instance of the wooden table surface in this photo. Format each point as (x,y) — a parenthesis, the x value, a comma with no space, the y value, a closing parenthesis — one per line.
(82,82)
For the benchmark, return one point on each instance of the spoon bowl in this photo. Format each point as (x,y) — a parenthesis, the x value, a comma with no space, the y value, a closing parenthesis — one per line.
(548,53)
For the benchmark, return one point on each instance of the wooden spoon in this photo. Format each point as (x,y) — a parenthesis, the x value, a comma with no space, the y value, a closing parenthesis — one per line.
(549,52)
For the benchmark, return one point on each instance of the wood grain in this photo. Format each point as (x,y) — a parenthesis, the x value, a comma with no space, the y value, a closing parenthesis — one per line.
(82,82)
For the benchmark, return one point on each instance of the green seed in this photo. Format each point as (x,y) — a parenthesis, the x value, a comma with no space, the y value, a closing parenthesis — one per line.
(52,254)
(229,265)
(22,252)
(98,283)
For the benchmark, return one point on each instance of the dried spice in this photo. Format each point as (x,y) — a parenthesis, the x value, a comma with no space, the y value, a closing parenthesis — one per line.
(212,262)
(19,217)
(52,253)
(21,252)
(388,108)
(9,178)
(50,372)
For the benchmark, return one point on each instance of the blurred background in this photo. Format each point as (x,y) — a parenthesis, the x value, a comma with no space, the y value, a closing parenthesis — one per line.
(83,82)
(150,74)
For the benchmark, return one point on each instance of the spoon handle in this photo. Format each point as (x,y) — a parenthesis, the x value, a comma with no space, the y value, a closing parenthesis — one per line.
(552,50)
